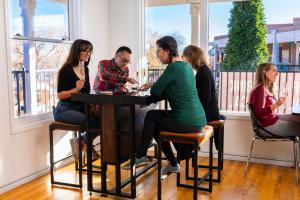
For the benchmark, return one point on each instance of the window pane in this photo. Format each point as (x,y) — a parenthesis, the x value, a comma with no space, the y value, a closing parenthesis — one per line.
(160,21)
(39,18)
(34,87)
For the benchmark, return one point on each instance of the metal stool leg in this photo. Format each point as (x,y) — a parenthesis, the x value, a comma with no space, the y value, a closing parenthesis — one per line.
(195,158)
(159,169)
(51,154)
(296,161)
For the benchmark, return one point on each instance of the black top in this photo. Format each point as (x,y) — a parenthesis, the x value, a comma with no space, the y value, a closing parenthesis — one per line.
(67,80)
(207,93)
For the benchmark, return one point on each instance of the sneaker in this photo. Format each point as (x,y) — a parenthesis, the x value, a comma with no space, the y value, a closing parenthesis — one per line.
(171,169)
(139,162)
(75,148)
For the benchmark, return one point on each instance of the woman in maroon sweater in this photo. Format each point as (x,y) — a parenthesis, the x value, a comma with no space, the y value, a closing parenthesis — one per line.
(264,104)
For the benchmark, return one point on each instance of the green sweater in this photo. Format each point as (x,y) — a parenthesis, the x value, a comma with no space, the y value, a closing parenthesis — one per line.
(177,85)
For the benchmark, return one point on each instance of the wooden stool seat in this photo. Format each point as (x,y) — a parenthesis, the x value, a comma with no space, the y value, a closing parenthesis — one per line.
(65,126)
(194,139)
(216,124)
(201,137)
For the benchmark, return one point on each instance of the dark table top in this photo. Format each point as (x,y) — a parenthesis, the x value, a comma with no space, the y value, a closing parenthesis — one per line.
(296,110)
(140,98)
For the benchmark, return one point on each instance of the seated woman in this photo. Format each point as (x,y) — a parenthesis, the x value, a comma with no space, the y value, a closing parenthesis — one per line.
(205,83)
(264,104)
(73,79)
(177,85)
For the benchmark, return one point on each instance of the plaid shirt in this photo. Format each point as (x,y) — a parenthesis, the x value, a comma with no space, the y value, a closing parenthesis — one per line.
(110,77)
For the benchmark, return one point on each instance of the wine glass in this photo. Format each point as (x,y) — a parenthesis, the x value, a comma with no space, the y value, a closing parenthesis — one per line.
(284,95)
(82,71)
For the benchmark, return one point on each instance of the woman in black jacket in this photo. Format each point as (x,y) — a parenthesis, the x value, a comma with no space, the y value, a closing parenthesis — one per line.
(205,83)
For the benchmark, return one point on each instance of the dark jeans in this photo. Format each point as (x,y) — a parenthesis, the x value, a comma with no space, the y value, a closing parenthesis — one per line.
(160,120)
(73,113)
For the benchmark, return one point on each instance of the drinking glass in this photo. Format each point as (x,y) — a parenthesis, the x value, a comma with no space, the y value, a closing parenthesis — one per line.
(284,94)
(82,71)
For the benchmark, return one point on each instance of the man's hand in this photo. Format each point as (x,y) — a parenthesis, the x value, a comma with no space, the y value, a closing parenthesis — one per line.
(146,86)
(132,80)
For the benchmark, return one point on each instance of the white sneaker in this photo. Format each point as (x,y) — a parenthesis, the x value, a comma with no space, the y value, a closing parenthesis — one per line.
(171,169)
(139,162)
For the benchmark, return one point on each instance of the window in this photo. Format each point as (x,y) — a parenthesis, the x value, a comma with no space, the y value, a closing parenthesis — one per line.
(39,31)
(283,39)
(160,21)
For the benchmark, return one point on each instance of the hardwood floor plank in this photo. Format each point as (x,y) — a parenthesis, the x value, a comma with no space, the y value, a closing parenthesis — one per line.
(261,182)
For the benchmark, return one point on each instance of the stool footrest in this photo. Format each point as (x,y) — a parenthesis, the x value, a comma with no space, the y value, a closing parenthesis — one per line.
(67,184)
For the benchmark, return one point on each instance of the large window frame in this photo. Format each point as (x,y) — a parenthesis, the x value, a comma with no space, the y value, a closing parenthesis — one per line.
(29,122)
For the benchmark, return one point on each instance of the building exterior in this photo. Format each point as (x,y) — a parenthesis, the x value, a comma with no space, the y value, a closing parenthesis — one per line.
(283,43)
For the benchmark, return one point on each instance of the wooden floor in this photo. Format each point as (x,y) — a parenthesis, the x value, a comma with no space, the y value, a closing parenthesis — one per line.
(266,182)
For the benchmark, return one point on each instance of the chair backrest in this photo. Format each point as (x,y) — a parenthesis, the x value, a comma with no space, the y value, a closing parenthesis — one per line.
(259,130)
(255,122)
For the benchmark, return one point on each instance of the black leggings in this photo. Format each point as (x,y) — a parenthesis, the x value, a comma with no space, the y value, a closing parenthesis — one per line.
(160,120)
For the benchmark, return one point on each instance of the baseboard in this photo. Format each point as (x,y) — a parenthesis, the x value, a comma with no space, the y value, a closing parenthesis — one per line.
(13,184)
(261,160)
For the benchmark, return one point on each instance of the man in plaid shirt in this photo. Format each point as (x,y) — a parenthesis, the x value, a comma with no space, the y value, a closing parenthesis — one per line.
(113,74)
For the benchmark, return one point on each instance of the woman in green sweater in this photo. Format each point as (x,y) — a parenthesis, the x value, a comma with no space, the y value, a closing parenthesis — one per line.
(177,85)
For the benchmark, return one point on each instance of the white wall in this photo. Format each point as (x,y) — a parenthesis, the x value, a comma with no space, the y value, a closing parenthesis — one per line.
(95,28)
(107,24)
(124,28)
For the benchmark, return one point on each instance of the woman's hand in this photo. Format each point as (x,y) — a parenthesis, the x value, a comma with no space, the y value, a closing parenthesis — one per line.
(145,86)
(79,84)
(278,103)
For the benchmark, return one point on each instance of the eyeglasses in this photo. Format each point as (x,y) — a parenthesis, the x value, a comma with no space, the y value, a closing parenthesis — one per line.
(158,50)
(124,60)
(87,51)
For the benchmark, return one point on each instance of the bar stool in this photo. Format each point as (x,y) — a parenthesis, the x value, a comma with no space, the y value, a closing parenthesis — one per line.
(218,126)
(194,139)
(78,130)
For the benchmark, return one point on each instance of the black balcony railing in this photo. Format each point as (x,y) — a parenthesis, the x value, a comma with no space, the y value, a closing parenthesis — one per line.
(233,89)
(19,91)
(44,93)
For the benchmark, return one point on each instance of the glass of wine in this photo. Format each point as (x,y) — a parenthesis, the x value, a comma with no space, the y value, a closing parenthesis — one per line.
(82,71)
(284,95)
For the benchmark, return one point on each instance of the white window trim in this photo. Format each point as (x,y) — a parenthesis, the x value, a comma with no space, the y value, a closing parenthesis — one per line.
(25,124)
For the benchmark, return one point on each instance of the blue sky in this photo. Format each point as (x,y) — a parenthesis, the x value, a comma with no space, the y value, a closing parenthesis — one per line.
(43,7)
(167,19)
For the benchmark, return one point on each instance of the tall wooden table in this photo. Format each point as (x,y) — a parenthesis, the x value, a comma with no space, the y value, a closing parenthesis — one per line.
(122,117)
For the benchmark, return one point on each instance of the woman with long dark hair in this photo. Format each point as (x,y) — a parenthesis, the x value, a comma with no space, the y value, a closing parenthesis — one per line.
(177,85)
(73,77)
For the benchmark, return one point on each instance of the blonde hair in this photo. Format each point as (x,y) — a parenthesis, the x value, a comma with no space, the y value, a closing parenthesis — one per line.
(195,56)
(260,76)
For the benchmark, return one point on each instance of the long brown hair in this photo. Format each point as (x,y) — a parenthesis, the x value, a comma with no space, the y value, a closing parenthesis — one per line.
(260,76)
(195,56)
(74,53)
